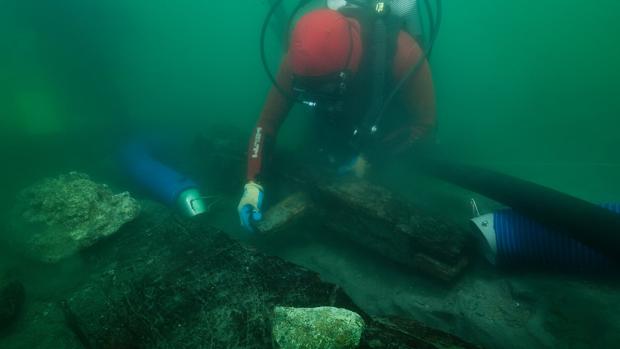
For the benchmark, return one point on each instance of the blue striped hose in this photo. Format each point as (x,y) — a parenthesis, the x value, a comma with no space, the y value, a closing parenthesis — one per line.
(522,241)
(160,181)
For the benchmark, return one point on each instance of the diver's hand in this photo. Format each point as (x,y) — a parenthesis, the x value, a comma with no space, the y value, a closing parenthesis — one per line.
(250,205)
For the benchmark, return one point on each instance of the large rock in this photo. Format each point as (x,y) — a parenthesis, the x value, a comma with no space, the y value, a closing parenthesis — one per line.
(171,283)
(57,217)
(321,327)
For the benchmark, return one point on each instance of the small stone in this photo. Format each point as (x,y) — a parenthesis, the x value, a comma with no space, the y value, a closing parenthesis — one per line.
(285,214)
(11,301)
(322,327)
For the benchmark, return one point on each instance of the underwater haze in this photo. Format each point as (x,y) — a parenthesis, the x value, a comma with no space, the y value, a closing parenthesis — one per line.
(527,88)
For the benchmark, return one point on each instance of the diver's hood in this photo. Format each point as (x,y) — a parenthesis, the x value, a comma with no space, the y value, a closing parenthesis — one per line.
(400,8)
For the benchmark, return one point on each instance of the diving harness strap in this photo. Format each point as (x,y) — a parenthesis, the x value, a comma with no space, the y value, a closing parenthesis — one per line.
(364,131)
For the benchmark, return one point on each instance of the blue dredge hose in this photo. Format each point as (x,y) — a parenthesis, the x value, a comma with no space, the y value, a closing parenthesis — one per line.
(164,183)
(512,239)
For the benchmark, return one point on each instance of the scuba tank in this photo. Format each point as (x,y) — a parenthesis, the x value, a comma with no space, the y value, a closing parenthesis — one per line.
(407,10)
(382,21)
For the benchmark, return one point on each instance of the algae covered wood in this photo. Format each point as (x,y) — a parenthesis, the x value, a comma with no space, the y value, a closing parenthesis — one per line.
(379,220)
(286,213)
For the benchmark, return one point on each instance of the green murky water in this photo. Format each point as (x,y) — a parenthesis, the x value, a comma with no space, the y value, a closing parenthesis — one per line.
(527,88)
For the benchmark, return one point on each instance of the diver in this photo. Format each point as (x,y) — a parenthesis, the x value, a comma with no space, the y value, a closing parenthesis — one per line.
(346,62)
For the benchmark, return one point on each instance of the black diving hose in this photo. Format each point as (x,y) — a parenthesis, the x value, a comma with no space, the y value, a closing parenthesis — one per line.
(583,221)
(263,54)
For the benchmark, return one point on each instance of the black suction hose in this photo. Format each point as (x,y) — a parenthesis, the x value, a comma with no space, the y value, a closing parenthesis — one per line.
(435,19)
(301,4)
(590,224)
(263,55)
(431,23)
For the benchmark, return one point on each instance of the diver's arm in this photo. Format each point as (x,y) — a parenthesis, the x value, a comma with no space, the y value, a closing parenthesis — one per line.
(274,112)
(418,92)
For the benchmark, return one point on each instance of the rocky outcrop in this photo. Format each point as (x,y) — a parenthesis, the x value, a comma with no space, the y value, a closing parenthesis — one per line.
(60,216)
(170,283)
